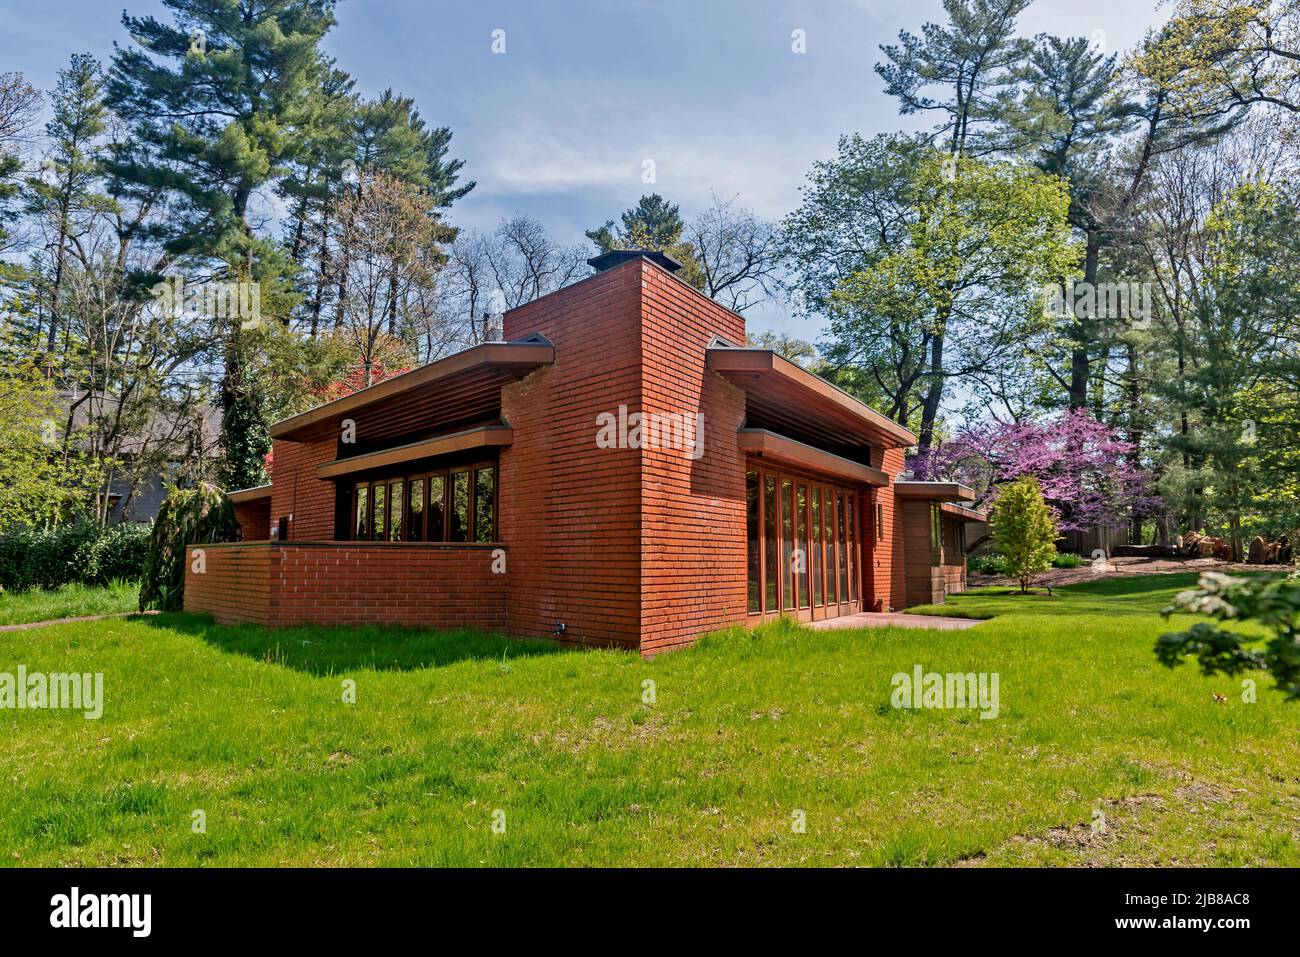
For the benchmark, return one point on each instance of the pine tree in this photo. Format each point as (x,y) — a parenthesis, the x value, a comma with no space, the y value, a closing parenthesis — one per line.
(653,223)
(65,192)
(218,102)
(971,59)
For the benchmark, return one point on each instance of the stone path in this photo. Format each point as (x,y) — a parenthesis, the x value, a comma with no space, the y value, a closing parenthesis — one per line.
(874,619)
(24,626)
(1125,567)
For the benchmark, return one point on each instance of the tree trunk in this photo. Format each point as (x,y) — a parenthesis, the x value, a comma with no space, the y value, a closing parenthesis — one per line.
(1082,328)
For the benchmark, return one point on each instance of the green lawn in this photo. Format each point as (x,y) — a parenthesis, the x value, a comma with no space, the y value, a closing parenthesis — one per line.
(69,601)
(747,729)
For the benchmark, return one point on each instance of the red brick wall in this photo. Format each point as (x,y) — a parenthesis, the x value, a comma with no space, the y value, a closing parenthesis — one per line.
(890,568)
(427,586)
(297,492)
(692,510)
(570,511)
(254,519)
(235,584)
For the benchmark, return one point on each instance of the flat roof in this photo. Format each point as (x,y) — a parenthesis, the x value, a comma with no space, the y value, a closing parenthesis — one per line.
(778,448)
(785,393)
(479,371)
(257,492)
(934,491)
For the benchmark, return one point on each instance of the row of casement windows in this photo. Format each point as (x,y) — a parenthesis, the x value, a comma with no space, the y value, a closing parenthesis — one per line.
(452,505)
(787,513)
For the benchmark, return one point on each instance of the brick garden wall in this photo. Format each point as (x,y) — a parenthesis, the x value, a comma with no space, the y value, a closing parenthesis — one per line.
(425,585)
(235,585)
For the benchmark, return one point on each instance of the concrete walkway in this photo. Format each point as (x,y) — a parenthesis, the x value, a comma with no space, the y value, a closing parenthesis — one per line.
(873,619)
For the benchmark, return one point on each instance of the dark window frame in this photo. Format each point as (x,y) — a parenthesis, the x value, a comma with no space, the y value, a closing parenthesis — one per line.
(427,477)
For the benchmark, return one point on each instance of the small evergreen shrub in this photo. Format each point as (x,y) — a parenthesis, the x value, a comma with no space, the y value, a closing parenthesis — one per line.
(1068,560)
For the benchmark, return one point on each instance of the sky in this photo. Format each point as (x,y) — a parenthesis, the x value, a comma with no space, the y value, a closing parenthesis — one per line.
(562,123)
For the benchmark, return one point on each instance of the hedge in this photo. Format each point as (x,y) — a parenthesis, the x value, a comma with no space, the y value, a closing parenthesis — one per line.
(82,552)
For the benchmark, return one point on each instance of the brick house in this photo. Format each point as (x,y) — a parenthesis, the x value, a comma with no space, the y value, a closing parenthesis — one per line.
(620,470)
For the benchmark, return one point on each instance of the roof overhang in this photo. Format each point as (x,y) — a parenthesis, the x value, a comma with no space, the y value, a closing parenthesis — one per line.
(935,491)
(786,451)
(963,512)
(482,437)
(245,495)
(459,388)
(785,394)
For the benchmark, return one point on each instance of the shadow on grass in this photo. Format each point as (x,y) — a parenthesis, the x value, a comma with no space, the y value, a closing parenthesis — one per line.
(333,650)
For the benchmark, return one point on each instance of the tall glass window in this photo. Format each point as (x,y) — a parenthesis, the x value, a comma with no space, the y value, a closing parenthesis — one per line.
(787,545)
(361,523)
(458,526)
(752,553)
(415,511)
(815,565)
(801,525)
(484,501)
(772,557)
(395,500)
(380,494)
(437,508)
(840,547)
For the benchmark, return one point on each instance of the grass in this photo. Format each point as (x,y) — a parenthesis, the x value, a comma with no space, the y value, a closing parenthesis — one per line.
(745,731)
(68,601)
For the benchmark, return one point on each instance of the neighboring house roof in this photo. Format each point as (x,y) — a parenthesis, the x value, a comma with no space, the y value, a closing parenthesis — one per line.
(159,429)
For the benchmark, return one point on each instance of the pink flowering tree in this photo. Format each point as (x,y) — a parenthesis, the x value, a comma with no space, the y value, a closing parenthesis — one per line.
(1086,471)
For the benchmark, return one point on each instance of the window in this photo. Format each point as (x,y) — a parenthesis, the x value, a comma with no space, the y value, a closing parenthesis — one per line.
(361,526)
(437,508)
(787,544)
(801,565)
(415,511)
(458,525)
(485,504)
(770,557)
(395,498)
(880,522)
(415,508)
(815,566)
(936,533)
(379,493)
(751,523)
(802,540)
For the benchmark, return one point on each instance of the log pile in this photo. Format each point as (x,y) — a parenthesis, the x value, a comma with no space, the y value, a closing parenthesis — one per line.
(1196,545)
(1263,552)
(1260,551)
